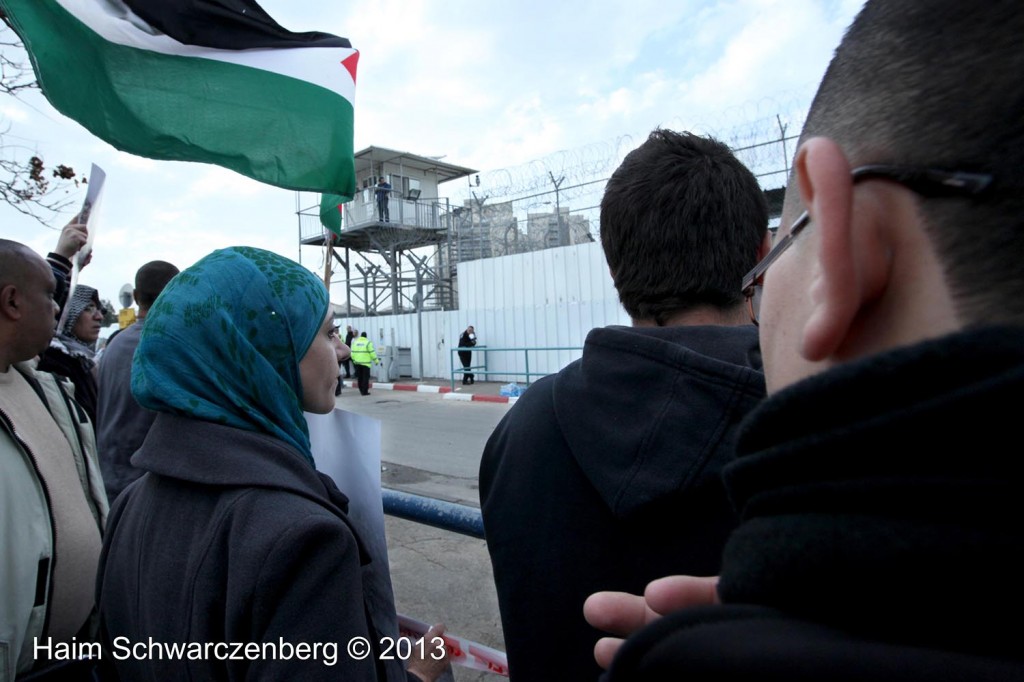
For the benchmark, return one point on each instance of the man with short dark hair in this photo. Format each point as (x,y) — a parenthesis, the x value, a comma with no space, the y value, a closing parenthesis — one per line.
(878,484)
(592,463)
(52,506)
(121,423)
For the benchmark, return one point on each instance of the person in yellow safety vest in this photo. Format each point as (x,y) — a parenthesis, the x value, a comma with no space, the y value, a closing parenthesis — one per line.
(364,355)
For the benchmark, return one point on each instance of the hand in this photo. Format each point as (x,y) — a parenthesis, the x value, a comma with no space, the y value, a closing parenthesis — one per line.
(72,238)
(428,668)
(84,258)
(622,614)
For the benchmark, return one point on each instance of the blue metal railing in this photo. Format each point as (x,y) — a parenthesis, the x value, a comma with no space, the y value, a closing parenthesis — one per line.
(457,518)
(457,368)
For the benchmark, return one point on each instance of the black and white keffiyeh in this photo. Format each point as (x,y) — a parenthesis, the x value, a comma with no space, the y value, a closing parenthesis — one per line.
(65,339)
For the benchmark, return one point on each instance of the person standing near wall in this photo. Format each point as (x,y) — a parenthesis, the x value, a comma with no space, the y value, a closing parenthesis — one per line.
(343,353)
(364,355)
(383,192)
(349,335)
(467,340)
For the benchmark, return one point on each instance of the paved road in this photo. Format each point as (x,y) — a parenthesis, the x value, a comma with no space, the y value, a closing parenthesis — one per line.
(432,447)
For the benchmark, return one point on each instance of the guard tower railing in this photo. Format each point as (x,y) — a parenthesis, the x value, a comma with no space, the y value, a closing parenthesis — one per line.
(426,214)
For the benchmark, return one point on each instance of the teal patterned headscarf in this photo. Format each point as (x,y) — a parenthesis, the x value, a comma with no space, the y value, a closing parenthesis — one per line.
(223,341)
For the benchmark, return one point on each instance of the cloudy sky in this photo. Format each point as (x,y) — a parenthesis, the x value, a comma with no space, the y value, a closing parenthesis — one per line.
(489,84)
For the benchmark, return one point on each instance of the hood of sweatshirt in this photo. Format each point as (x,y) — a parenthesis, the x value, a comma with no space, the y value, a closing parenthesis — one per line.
(651,412)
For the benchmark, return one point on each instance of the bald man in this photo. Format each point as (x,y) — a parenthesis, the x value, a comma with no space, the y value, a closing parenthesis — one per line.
(52,504)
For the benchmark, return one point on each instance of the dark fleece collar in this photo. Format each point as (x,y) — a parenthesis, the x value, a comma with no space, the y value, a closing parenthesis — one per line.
(214,454)
(882,496)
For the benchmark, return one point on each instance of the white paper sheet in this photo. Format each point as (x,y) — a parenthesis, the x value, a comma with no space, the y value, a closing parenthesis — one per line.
(346,447)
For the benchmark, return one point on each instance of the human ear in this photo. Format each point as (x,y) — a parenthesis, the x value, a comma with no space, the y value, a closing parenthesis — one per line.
(766,246)
(9,302)
(851,262)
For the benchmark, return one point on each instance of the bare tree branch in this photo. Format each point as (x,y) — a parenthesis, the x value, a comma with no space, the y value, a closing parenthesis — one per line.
(27,186)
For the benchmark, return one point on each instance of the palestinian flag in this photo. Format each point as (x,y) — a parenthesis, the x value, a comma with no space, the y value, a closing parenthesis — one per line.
(214,81)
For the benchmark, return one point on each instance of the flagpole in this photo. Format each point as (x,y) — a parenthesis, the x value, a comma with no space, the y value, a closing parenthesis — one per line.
(329,253)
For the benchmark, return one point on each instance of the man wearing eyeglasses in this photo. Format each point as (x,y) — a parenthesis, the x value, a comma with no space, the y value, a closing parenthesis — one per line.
(878,485)
(595,462)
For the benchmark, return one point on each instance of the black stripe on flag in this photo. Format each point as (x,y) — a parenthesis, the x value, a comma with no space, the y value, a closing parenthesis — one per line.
(225,25)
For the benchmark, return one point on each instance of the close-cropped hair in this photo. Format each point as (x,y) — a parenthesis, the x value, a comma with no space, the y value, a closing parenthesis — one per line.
(937,84)
(13,260)
(151,279)
(681,223)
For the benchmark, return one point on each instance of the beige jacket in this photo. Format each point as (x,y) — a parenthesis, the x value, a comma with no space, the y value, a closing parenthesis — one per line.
(26,519)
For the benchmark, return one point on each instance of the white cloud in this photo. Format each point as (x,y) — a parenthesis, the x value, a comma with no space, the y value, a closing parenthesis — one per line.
(214,181)
(137,164)
(14,113)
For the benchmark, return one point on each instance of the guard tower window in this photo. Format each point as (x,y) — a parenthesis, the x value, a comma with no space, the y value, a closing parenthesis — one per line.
(405,187)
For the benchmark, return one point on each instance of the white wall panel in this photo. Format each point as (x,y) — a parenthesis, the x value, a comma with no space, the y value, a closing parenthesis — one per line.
(542,299)
(573,276)
(559,267)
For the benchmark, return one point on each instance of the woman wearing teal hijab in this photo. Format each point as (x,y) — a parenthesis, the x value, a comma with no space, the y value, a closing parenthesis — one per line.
(232,536)
(222,344)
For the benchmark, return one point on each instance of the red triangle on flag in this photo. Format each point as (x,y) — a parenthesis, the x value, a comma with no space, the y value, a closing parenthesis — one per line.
(350,63)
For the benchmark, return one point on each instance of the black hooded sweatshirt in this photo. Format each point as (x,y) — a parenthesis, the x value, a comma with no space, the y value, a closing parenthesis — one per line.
(583,477)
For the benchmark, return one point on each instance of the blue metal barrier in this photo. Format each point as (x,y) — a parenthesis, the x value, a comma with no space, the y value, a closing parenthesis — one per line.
(457,518)
(482,369)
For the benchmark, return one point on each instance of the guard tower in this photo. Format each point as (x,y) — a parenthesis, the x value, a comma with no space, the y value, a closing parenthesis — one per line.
(401,263)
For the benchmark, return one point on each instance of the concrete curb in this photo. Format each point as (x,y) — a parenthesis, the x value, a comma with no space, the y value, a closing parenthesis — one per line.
(470,397)
(426,388)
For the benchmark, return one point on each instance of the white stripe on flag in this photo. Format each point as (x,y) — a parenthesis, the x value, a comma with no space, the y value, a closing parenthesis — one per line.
(319,65)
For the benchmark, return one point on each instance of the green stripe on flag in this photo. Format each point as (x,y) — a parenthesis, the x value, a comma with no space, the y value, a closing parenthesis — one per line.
(331,211)
(269,127)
